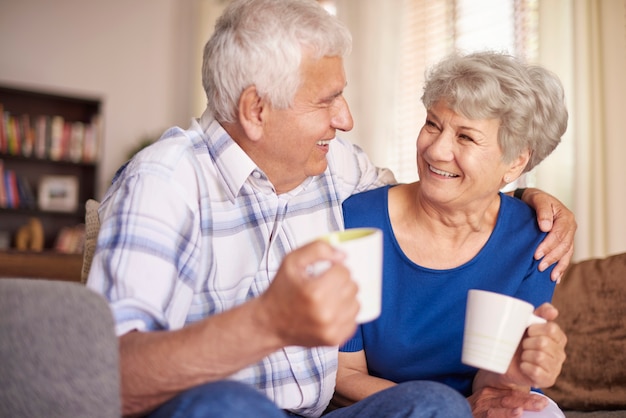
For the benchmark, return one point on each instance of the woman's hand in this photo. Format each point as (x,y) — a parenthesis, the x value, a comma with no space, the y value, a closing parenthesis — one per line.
(538,359)
(503,402)
(537,363)
(541,354)
(553,217)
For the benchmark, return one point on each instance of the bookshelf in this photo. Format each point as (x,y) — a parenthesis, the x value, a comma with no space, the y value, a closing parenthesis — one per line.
(49,145)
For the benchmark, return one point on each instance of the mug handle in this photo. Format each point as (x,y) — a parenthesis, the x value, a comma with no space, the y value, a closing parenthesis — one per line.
(534,319)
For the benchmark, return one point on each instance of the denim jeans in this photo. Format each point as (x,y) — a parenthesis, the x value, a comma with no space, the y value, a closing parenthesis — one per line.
(415,399)
(229,399)
(223,399)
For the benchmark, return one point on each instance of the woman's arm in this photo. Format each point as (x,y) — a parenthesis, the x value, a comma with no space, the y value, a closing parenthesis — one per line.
(353,380)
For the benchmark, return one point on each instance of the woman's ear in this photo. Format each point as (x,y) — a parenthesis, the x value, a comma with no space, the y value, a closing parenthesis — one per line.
(250,109)
(517,166)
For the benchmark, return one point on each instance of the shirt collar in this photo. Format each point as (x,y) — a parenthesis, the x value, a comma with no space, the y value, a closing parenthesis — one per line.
(232,163)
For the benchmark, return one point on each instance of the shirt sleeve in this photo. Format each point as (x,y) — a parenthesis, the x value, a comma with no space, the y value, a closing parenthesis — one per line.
(354,344)
(355,168)
(147,256)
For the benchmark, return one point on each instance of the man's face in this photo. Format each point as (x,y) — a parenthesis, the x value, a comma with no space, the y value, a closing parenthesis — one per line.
(295,140)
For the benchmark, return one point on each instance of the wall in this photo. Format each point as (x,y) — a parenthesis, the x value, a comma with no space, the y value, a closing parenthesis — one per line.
(135,55)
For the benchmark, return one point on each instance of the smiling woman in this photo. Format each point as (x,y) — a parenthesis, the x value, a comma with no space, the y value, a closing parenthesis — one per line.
(490,117)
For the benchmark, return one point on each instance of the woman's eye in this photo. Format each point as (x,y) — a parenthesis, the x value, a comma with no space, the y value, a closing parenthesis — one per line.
(466,138)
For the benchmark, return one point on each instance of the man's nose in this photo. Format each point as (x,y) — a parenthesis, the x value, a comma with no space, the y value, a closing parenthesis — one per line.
(342,118)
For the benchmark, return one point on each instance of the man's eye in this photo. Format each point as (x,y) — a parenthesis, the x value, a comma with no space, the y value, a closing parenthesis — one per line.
(466,138)
(430,125)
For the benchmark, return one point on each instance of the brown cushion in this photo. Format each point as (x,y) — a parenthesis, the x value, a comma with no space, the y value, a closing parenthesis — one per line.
(592,303)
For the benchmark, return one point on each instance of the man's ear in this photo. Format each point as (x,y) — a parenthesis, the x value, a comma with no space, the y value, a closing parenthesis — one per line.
(250,109)
(517,166)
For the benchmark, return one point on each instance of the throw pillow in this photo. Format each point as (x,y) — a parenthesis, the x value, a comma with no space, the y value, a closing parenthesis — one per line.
(592,311)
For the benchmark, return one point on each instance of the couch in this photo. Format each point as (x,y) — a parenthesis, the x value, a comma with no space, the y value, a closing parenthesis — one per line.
(59,352)
(592,303)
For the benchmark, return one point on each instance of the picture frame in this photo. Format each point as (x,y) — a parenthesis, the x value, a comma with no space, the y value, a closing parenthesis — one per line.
(58,193)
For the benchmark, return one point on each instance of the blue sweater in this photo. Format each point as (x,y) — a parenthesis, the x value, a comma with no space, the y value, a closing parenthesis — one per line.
(419,334)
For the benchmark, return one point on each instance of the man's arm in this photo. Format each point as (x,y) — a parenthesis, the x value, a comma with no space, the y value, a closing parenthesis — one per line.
(155,366)
(553,217)
(295,310)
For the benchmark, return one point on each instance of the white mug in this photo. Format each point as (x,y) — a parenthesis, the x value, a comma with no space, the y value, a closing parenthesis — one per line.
(494,326)
(364,258)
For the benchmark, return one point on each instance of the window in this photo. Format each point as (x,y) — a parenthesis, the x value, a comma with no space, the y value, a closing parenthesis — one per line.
(433,29)
(427,30)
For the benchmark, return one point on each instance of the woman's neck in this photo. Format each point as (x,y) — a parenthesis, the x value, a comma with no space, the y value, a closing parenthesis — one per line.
(439,236)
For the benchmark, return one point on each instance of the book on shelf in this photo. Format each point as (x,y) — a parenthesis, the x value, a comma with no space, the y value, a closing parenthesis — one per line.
(91,141)
(71,239)
(3,192)
(15,191)
(76,141)
(13,135)
(27,197)
(57,124)
(42,136)
(49,137)
(2,129)
(27,131)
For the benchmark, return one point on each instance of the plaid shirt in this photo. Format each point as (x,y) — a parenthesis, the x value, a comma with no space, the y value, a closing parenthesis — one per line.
(191,227)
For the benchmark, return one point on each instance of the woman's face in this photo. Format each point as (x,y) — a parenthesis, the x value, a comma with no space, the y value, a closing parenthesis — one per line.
(459,159)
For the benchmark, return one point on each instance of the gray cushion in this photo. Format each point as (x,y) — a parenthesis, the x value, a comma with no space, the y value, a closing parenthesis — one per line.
(58,349)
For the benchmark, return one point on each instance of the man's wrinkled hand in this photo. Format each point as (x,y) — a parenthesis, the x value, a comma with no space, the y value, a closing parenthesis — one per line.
(312,309)
(556,219)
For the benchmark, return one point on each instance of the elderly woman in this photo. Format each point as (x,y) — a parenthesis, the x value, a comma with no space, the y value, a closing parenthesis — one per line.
(490,118)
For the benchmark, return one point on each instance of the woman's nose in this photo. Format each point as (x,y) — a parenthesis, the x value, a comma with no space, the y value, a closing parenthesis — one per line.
(441,146)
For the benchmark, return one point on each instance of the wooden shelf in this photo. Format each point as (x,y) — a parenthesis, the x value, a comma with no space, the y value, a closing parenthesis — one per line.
(32,168)
(41,265)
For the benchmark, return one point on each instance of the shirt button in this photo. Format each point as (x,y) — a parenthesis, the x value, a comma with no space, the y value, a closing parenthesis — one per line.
(256,174)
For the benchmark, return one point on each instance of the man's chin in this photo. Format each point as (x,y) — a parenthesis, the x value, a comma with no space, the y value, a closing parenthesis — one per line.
(317,168)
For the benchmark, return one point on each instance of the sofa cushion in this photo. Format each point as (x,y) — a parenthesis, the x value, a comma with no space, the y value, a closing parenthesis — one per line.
(59,351)
(592,311)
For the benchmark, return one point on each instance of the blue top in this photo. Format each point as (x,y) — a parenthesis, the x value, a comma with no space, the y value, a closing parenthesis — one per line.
(419,334)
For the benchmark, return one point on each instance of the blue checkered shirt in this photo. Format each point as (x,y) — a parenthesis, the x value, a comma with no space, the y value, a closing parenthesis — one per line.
(191,227)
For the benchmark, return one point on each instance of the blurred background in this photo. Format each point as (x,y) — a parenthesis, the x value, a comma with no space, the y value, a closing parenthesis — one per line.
(142,59)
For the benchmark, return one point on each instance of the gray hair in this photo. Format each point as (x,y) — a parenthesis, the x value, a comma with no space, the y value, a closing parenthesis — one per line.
(527,99)
(261,43)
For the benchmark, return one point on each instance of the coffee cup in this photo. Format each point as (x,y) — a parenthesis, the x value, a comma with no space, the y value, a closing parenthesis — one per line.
(364,259)
(494,326)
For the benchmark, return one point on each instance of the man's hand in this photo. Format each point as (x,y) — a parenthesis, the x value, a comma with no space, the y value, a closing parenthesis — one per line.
(308,309)
(495,402)
(553,217)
